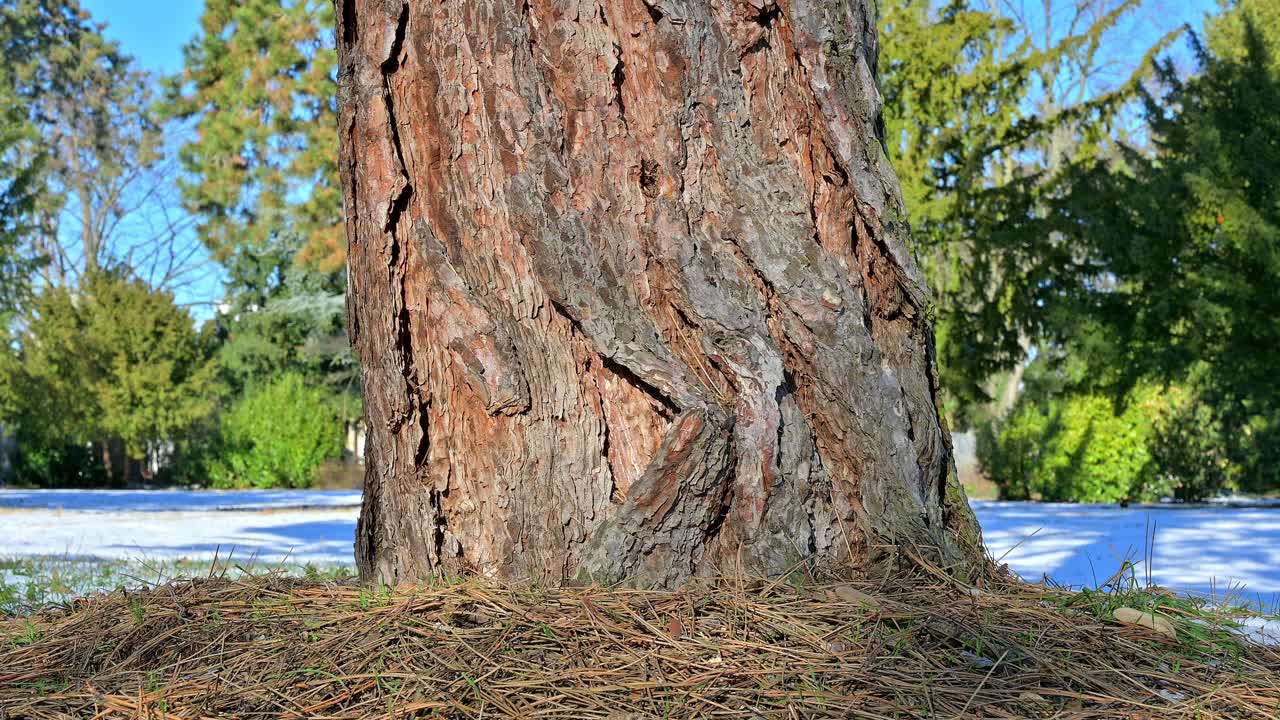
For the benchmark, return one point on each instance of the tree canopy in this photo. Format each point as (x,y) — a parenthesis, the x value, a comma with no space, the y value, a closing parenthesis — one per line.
(1184,242)
(104,229)
(260,84)
(983,116)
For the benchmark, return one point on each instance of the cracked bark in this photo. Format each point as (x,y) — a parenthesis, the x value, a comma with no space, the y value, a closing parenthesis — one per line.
(630,287)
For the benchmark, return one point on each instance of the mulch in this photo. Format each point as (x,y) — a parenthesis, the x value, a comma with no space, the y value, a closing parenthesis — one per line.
(913,646)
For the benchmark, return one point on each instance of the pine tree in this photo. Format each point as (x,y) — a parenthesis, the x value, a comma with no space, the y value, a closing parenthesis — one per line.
(260,84)
(981,120)
(1186,242)
(633,297)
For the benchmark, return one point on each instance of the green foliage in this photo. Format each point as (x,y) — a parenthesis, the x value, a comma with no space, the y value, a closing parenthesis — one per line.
(1047,232)
(980,123)
(111,363)
(1077,448)
(18,195)
(275,436)
(283,317)
(1185,249)
(261,81)
(1191,446)
(98,369)
(949,99)
(1227,32)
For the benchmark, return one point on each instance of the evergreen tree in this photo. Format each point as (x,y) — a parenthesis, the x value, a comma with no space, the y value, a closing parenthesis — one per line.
(1186,242)
(260,82)
(113,364)
(260,85)
(981,122)
(1226,33)
(282,317)
(18,196)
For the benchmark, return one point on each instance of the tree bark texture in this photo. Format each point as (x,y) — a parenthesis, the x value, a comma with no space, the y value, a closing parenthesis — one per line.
(630,285)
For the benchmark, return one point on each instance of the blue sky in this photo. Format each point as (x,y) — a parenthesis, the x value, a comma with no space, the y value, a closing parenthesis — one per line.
(153,31)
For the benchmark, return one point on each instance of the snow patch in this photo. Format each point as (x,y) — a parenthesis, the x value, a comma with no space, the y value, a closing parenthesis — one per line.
(1225,551)
(1228,553)
(168,500)
(296,536)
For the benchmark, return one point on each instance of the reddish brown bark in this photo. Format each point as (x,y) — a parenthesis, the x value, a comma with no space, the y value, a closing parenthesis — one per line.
(630,287)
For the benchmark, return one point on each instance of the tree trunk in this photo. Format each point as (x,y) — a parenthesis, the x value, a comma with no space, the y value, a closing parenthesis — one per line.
(630,285)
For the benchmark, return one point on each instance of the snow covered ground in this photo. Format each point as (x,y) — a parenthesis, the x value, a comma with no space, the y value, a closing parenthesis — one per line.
(1207,550)
(1215,550)
(321,537)
(158,500)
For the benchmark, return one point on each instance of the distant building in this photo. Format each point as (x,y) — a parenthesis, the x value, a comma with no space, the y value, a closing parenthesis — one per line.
(355,441)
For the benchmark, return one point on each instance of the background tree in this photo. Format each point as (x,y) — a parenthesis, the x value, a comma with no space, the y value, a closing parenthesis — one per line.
(105,196)
(113,364)
(19,171)
(260,89)
(282,317)
(985,109)
(1194,245)
(1182,249)
(260,85)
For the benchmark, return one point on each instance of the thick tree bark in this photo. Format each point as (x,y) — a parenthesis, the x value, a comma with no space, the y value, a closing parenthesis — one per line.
(630,286)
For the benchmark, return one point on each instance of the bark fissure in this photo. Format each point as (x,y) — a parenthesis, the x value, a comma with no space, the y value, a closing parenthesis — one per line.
(668,406)
(392,62)
(396,206)
(348,20)
(718,379)
(619,76)
(655,12)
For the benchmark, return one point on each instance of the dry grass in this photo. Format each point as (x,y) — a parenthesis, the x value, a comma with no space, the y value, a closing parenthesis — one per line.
(911,647)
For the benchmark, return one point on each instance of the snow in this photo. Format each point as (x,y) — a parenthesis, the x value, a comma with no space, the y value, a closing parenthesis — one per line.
(1264,631)
(1224,549)
(269,536)
(157,500)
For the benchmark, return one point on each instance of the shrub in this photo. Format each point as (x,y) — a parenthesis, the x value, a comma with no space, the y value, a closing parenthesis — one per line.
(276,436)
(1205,449)
(1078,448)
(56,466)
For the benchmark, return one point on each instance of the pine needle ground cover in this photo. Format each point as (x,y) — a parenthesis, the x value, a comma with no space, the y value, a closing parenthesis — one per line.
(914,646)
